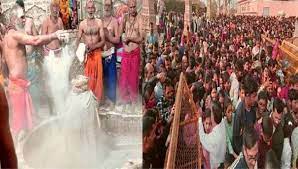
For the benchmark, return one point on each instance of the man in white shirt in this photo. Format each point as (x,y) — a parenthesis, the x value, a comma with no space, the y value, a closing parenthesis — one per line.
(234,91)
(256,49)
(286,155)
(213,142)
(294,145)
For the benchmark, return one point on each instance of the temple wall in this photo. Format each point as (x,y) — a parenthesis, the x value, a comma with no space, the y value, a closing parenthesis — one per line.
(267,7)
(36,9)
(39,9)
(148,14)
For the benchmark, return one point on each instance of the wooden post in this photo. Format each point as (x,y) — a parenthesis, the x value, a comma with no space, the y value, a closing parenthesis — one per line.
(209,9)
(175,127)
(296,29)
(148,14)
(187,15)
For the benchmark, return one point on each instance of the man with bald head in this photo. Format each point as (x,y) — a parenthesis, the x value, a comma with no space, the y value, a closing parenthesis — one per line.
(130,63)
(57,62)
(112,38)
(51,24)
(32,56)
(14,52)
(91,32)
(149,71)
(151,78)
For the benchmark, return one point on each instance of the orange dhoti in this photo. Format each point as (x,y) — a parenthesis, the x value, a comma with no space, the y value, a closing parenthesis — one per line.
(94,70)
(1,79)
(21,104)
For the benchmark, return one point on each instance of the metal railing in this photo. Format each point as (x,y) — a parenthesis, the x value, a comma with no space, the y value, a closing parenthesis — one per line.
(177,149)
(290,53)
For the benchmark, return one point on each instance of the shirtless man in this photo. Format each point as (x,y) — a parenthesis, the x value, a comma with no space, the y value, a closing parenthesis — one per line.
(51,24)
(92,33)
(32,55)
(8,158)
(130,63)
(14,52)
(57,61)
(112,37)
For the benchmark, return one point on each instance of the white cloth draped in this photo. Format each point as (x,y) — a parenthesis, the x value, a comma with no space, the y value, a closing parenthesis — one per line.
(57,73)
(79,126)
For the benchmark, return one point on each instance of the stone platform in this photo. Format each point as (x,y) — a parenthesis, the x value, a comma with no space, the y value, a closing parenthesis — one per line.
(122,130)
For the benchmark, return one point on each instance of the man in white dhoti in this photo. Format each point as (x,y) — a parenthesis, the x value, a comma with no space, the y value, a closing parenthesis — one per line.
(57,62)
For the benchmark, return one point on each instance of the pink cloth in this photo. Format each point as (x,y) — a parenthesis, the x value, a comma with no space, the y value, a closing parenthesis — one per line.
(182,40)
(129,78)
(189,132)
(283,94)
(275,51)
(21,104)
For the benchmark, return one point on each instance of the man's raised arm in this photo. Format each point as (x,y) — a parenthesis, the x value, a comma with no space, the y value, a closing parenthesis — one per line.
(25,39)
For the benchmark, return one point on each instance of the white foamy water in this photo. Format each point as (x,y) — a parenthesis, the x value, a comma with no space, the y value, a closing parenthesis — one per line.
(56,69)
(76,141)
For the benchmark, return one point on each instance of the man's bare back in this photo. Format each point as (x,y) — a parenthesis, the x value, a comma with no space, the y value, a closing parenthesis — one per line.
(50,26)
(8,158)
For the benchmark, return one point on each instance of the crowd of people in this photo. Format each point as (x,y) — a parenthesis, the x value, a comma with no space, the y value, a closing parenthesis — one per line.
(46,62)
(242,93)
(240,86)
